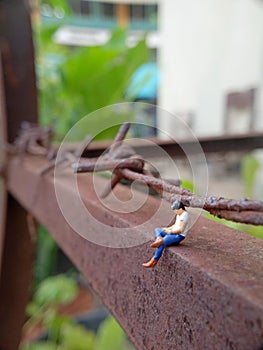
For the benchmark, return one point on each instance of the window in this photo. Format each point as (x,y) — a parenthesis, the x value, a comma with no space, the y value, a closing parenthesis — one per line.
(137,12)
(152,11)
(143,12)
(240,111)
(86,7)
(97,9)
(108,10)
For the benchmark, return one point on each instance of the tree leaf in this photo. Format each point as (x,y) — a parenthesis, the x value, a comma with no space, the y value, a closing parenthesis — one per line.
(40,345)
(76,337)
(249,167)
(110,336)
(56,289)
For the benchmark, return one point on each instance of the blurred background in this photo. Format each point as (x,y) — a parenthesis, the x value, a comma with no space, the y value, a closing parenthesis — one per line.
(200,60)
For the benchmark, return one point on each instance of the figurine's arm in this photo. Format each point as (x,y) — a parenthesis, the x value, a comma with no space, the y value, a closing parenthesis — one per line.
(173,230)
(168,228)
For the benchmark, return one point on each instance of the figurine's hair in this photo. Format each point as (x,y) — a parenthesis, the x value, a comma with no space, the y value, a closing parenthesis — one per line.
(177,205)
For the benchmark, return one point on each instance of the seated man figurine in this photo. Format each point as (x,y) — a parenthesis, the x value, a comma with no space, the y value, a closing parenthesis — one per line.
(172,235)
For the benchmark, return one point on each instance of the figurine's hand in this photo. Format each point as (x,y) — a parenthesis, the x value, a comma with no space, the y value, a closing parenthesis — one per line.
(166,230)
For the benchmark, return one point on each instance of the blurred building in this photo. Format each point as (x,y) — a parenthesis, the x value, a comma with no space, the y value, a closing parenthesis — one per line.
(135,14)
(211,65)
(92,22)
(209,56)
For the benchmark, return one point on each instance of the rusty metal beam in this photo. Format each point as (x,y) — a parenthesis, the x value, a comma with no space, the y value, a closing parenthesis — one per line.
(3,162)
(204,294)
(18,87)
(18,64)
(16,275)
(216,144)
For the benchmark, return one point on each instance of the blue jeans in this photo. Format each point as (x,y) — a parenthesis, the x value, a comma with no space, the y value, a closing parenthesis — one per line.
(169,239)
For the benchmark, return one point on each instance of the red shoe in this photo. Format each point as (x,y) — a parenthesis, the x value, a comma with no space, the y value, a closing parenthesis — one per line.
(158,242)
(151,263)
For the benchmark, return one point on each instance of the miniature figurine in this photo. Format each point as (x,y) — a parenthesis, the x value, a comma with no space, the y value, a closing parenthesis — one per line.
(167,236)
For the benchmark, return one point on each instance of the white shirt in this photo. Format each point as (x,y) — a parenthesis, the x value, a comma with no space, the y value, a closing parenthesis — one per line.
(184,217)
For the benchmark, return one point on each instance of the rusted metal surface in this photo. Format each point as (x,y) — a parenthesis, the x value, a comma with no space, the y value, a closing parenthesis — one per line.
(3,162)
(18,64)
(204,294)
(68,156)
(16,275)
(33,139)
(130,166)
(20,103)
(216,144)
(135,164)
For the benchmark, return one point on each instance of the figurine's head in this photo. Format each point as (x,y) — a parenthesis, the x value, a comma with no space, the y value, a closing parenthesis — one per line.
(176,205)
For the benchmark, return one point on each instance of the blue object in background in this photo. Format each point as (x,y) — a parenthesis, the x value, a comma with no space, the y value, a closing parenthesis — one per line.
(144,83)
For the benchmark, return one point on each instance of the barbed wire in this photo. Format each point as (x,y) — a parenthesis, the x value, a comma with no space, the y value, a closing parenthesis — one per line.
(124,163)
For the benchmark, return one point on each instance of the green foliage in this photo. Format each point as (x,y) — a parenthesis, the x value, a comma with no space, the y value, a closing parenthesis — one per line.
(50,294)
(249,168)
(256,231)
(58,4)
(56,290)
(69,336)
(97,76)
(46,256)
(110,336)
(54,323)
(75,82)
(187,184)
(40,345)
(76,337)
(63,332)
(43,42)
(72,336)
